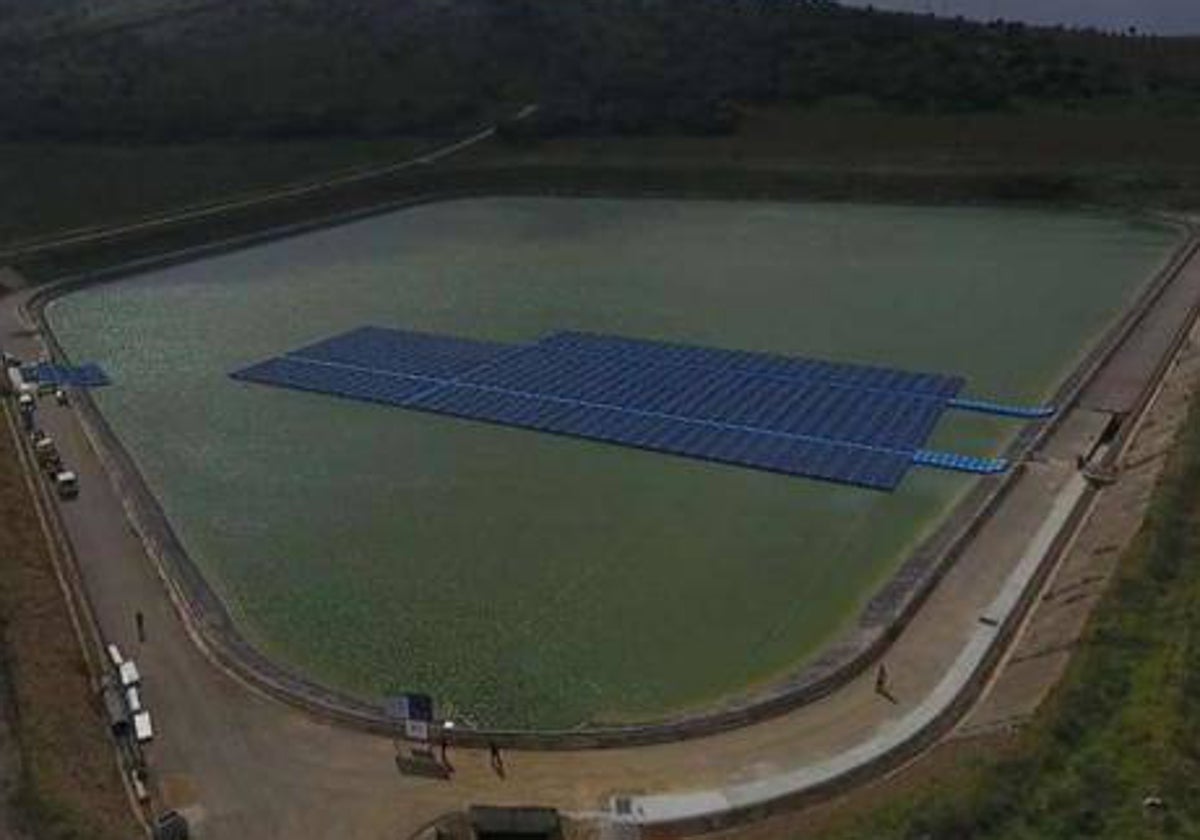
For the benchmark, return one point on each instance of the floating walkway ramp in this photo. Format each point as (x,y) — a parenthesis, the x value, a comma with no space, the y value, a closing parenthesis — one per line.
(960,463)
(969,463)
(1036,412)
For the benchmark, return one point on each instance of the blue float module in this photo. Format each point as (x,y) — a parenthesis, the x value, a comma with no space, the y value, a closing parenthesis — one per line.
(853,424)
(78,376)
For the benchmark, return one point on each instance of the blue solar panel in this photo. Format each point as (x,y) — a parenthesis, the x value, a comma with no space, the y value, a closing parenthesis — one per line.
(400,351)
(766,364)
(387,388)
(845,423)
(750,448)
(79,376)
(815,408)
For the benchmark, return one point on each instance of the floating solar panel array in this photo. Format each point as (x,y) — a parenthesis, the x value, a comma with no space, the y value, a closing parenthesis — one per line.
(847,423)
(78,376)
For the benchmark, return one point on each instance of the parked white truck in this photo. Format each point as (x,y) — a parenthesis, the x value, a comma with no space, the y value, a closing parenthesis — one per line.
(66,483)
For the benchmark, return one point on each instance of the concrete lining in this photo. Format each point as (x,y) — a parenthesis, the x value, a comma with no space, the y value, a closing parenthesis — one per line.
(1081,431)
(1117,388)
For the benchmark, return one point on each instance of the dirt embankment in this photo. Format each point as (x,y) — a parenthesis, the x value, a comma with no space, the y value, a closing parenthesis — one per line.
(68,786)
(10,767)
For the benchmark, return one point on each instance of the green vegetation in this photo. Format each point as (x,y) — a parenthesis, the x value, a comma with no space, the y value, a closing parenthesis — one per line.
(831,151)
(293,68)
(853,134)
(51,187)
(1124,725)
(186,102)
(854,149)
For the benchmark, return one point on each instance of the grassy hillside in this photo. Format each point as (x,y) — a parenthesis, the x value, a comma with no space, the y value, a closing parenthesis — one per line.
(854,134)
(178,69)
(55,187)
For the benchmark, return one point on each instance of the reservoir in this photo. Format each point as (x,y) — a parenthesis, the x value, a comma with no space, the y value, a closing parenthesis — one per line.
(532,581)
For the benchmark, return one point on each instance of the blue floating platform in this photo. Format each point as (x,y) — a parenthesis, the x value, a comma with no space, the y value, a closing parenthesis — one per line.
(76,376)
(846,423)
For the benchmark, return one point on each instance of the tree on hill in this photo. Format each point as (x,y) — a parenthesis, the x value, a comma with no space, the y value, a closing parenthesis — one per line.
(364,67)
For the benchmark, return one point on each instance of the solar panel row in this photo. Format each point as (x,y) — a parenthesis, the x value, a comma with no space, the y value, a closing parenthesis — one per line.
(767,364)
(398,351)
(369,386)
(830,460)
(842,423)
(803,407)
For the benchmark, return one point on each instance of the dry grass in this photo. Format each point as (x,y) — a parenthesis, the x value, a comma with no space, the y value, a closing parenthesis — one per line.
(52,187)
(858,136)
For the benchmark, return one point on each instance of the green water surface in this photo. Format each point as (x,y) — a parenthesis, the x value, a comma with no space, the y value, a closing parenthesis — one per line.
(528,580)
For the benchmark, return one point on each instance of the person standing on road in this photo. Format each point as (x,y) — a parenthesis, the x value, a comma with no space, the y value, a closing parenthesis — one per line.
(497,760)
(140,621)
(445,752)
(882,683)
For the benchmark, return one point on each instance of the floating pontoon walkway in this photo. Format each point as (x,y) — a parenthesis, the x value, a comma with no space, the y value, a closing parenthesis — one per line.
(960,463)
(1037,412)
(852,424)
